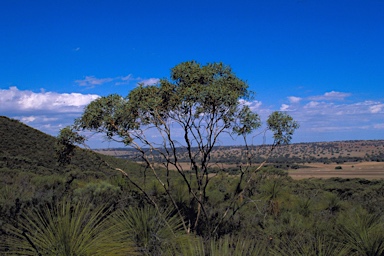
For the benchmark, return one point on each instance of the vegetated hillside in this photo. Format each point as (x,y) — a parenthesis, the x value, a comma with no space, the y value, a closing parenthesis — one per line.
(24,148)
(29,169)
(299,153)
(31,175)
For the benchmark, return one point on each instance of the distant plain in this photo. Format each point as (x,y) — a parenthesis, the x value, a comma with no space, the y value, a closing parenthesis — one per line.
(343,159)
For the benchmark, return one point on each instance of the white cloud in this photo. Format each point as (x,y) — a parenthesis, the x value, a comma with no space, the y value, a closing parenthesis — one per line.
(122,80)
(18,101)
(379,126)
(331,96)
(127,78)
(312,104)
(376,108)
(293,99)
(50,119)
(284,107)
(319,115)
(149,81)
(27,119)
(46,111)
(253,105)
(91,81)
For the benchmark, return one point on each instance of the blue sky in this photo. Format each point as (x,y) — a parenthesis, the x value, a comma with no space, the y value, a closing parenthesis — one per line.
(321,61)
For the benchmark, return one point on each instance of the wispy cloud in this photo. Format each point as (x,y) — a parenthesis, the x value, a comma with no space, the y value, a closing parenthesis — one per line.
(150,81)
(284,107)
(127,78)
(376,108)
(91,81)
(27,119)
(331,96)
(253,105)
(379,126)
(328,113)
(123,80)
(293,99)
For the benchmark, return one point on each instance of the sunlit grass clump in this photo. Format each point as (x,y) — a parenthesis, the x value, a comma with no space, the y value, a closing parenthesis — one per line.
(66,229)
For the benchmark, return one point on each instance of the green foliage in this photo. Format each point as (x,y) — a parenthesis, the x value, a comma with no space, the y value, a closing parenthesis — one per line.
(65,229)
(101,192)
(313,245)
(237,246)
(272,191)
(248,122)
(65,144)
(18,146)
(24,149)
(195,95)
(283,126)
(362,232)
(152,232)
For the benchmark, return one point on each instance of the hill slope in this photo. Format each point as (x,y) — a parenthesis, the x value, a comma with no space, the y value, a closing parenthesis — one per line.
(25,148)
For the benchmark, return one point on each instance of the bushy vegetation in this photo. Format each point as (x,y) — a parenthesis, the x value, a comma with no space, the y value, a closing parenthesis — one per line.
(45,211)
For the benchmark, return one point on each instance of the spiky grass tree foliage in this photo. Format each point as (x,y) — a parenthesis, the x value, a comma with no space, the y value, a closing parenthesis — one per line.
(309,245)
(363,232)
(152,232)
(66,229)
(226,246)
(272,191)
(237,246)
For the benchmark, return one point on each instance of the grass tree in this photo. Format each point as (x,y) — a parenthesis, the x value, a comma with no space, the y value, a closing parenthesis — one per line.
(66,229)
(151,232)
(362,232)
(310,245)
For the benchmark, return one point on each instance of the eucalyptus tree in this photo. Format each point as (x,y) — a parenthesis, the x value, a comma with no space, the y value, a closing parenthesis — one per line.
(190,111)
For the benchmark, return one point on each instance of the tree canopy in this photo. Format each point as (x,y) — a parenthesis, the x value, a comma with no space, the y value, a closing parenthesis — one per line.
(203,100)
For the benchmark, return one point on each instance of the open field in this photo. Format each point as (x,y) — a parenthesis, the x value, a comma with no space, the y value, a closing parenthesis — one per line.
(366,170)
